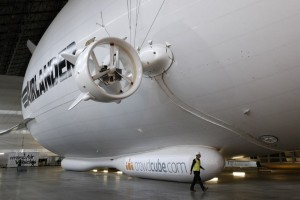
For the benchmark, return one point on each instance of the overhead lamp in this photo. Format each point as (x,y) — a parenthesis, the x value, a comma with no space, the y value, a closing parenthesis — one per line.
(10,112)
(239,174)
(238,157)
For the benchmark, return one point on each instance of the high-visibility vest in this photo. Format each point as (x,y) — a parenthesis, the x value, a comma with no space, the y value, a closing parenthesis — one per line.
(196,166)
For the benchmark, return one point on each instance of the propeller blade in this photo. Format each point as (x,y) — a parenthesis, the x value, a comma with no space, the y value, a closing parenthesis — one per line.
(98,67)
(125,77)
(116,64)
(100,74)
(112,52)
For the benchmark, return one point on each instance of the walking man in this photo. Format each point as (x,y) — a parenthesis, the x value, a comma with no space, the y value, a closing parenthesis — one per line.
(196,166)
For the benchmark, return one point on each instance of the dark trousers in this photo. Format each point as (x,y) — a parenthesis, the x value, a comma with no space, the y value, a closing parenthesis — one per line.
(197,179)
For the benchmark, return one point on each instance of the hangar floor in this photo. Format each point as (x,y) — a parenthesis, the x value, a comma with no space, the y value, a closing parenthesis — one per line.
(49,183)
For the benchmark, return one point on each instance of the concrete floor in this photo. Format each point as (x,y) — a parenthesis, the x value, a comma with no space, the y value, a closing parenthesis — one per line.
(53,183)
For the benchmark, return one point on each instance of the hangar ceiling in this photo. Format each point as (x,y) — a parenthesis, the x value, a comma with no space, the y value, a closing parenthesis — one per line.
(22,20)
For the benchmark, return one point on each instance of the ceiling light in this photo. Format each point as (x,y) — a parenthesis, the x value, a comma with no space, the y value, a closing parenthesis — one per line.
(10,112)
(237,157)
(239,174)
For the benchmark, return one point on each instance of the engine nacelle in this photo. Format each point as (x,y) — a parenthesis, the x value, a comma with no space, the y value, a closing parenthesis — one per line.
(156,59)
(107,70)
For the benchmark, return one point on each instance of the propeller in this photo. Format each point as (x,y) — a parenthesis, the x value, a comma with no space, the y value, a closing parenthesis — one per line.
(107,70)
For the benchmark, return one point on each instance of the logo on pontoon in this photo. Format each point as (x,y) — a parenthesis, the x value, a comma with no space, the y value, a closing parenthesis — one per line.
(156,166)
(129,165)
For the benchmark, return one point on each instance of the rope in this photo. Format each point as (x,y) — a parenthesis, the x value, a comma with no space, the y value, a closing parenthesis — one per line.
(129,18)
(211,119)
(153,22)
(138,4)
(104,26)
